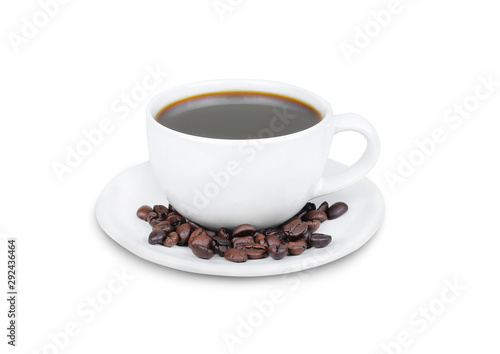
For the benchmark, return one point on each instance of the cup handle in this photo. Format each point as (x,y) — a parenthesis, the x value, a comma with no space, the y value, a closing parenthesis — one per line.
(352,122)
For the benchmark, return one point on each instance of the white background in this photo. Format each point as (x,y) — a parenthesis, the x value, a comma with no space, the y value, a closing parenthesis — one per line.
(441,223)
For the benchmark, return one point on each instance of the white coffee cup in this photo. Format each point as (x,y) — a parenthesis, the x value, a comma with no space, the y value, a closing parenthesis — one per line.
(263,182)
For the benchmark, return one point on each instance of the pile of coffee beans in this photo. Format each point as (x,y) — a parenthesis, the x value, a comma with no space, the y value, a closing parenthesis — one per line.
(293,237)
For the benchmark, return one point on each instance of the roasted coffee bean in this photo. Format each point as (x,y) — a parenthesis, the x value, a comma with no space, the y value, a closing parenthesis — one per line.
(254,250)
(194,225)
(275,232)
(297,247)
(301,240)
(244,230)
(277,251)
(304,238)
(319,240)
(143,211)
(301,213)
(202,251)
(154,222)
(313,226)
(171,239)
(315,215)
(235,255)
(337,210)
(205,240)
(184,231)
(260,238)
(220,245)
(164,225)
(273,240)
(161,224)
(290,220)
(223,233)
(309,207)
(151,215)
(175,218)
(161,210)
(154,218)
(240,241)
(210,233)
(157,237)
(323,207)
(194,234)
(295,228)
(161,217)
(292,237)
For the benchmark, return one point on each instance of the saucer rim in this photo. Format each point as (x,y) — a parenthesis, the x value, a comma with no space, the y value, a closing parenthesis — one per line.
(238,270)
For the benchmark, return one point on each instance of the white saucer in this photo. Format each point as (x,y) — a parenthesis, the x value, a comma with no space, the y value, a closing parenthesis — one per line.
(116,213)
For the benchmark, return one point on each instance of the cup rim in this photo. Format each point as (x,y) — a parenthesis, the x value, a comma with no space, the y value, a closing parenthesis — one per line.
(209,86)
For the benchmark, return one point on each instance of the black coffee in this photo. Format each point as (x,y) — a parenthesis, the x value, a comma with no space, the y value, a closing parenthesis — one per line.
(238,115)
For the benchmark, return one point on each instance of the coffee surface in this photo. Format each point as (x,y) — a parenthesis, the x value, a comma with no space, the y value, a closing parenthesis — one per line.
(238,115)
